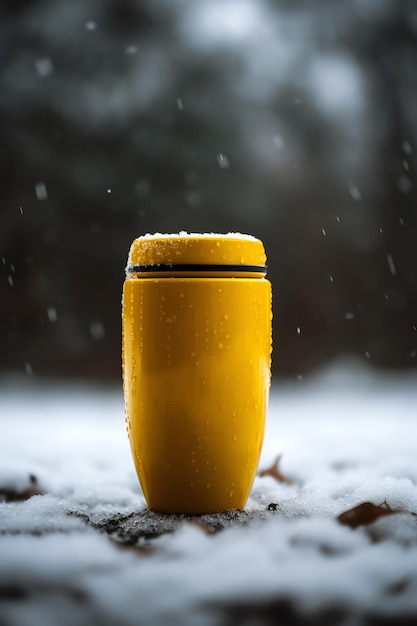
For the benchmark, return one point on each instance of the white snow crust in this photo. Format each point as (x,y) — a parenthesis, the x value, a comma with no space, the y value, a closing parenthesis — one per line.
(183,234)
(346,436)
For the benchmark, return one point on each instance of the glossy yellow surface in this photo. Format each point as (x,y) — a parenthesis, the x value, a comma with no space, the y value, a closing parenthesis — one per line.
(196,372)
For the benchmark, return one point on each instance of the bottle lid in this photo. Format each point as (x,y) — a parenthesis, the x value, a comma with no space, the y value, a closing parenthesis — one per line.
(195,254)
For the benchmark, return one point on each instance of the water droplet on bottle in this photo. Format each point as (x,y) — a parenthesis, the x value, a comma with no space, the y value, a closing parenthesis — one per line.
(226,316)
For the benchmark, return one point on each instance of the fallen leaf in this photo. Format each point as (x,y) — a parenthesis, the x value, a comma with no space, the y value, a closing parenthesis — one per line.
(205,528)
(142,549)
(272,506)
(275,472)
(364,514)
(12,495)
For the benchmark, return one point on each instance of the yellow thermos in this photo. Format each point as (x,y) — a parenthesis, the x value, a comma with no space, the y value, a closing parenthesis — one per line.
(196,367)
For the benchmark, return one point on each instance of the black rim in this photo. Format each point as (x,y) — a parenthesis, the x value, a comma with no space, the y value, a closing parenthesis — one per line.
(195,267)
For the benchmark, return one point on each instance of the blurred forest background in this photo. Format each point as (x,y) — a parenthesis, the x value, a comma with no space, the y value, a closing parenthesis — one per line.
(295,121)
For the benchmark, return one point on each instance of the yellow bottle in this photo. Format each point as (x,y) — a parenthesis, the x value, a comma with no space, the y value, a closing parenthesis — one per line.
(196,367)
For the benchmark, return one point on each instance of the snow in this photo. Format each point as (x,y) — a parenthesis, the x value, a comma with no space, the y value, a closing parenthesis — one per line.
(346,436)
(41,191)
(335,85)
(184,234)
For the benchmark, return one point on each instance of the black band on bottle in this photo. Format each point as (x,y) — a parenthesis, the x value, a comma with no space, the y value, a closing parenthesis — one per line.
(195,267)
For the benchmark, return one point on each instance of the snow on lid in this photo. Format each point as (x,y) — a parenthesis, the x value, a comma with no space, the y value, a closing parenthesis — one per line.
(197,248)
(184,233)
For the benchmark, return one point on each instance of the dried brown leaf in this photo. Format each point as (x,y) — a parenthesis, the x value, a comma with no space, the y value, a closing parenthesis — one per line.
(12,495)
(141,549)
(275,472)
(205,528)
(364,514)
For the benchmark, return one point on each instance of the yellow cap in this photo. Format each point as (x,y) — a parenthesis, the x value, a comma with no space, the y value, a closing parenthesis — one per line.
(196,249)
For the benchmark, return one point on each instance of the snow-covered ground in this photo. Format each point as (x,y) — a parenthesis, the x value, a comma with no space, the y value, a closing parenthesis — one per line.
(346,437)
